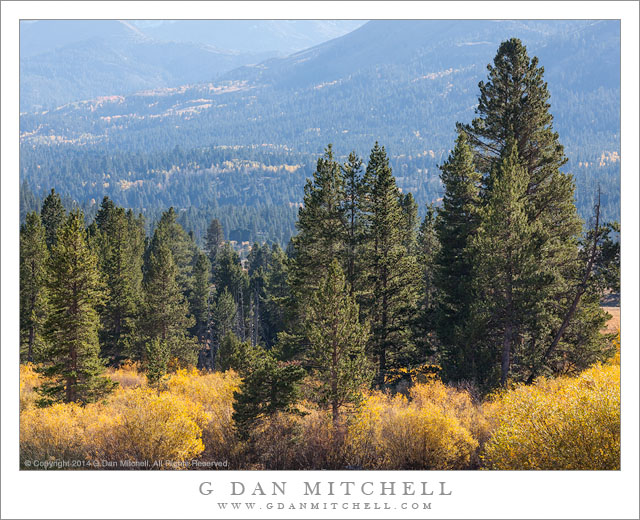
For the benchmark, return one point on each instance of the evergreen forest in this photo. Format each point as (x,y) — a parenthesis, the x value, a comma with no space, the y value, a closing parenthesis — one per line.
(383,322)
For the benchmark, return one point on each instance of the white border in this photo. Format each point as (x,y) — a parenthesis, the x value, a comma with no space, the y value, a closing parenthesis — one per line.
(174,494)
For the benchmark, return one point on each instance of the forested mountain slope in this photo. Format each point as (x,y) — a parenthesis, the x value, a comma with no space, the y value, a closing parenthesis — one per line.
(250,138)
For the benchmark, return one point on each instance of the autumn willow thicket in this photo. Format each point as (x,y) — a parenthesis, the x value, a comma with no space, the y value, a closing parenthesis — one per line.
(498,285)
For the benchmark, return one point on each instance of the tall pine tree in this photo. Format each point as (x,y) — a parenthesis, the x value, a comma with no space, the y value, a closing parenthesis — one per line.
(119,241)
(321,228)
(337,352)
(513,108)
(73,368)
(456,223)
(392,273)
(166,316)
(33,294)
(214,240)
(506,265)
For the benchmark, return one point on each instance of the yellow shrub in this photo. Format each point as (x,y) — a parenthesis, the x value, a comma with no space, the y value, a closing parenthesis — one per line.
(154,426)
(564,423)
(135,425)
(214,392)
(453,402)
(394,433)
(50,434)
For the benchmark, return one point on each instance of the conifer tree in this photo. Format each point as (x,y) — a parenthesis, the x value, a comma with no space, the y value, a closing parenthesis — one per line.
(513,107)
(158,357)
(235,354)
(223,318)
(214,239)
(268,386)
(229,276)
(410,213)
(33,294)
(119,239)
(455,225)
(392,274)
(73,368)
(275,315)
(166,315)
(337,352)
(428,248)
(352,172)
(507,269)
(52,215)
(321,228)
(182,247)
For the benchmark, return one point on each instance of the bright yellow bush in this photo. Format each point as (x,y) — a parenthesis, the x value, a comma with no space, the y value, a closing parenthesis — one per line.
(50,434)
(395,433)
(135,425)
(564,423)
(214,392)
(453,402)
(154,426)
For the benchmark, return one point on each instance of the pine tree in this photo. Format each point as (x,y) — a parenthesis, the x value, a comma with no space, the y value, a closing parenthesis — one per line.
(158,357)
(74,368)
(428,248)
(337,352)
(166,315)
(321,228)
(513,107)
(53,216)
(507,266)
(352,172)
(275,315)
(410,229)
(214,240)
(392,274)
(268,386)
(229,276)
(182,247)
(455,225)
(33,294)
(119,239)
(236,355)
(223,318)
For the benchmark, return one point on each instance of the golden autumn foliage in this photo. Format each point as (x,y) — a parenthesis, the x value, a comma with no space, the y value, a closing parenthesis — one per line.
(214,393)
(136,423)
(564,423)
(419,433)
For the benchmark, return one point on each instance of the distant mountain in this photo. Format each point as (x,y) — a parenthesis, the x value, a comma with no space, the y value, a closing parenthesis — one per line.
(43,36)
(282,36)
(402,83)
(72,60)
